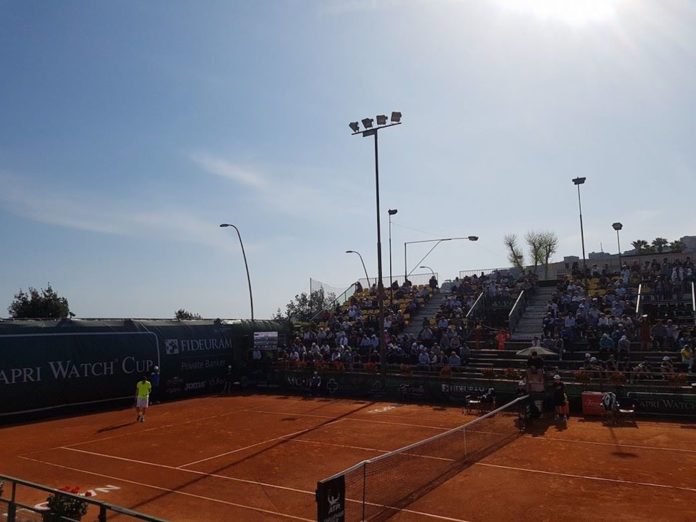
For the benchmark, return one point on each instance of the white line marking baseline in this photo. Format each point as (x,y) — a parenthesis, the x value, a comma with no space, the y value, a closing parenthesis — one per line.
(587,477)
(177,492)
(174,491)
(620,445)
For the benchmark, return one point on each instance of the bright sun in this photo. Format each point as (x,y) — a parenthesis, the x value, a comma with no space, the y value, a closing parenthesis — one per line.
(572,12)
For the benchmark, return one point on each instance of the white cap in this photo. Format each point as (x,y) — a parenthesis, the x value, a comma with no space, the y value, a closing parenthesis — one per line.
(665,358)
(556,377)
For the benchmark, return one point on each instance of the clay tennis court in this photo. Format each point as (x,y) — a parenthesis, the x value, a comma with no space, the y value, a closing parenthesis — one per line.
(247,458)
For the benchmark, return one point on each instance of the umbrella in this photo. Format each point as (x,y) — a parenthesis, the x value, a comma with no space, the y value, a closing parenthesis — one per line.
(540,350)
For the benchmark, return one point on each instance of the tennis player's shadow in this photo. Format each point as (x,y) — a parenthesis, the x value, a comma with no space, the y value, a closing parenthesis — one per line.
(115,427)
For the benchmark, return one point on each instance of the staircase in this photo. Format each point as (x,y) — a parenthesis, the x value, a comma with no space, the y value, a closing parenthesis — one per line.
(530,323)
(429,310)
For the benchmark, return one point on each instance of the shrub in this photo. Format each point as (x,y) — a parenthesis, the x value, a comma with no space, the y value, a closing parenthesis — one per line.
(65,506)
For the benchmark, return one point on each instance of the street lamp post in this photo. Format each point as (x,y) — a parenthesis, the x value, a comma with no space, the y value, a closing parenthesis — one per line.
(363,264)
(370,130)
(578,182)
(391,212)
(251,297)
(428,268)
(618,226)
(436,241)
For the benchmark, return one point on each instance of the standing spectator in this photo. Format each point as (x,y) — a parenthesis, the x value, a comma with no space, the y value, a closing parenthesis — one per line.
(315,384)
(687,354)
(534,361)
(155,382)
(229,380)
(501,338)
(433,283)
(142,395)
(560,399)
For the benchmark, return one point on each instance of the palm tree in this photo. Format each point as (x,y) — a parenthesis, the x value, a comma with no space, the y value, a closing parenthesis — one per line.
(677,246)
(659,243)
(640,245)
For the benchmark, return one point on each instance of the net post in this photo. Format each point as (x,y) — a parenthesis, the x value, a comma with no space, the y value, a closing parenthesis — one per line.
(364,495)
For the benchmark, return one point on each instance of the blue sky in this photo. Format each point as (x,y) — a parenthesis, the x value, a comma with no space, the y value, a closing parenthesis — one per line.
(130,130)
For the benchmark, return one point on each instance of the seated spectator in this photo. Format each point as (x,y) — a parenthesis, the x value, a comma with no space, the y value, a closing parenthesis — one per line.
(640,371)
(454,360)
(666,367)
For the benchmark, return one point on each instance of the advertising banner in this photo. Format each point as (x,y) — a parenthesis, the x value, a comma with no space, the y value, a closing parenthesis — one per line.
(38,371)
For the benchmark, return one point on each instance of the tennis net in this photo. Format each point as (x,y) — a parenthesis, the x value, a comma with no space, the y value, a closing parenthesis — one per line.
(377,488)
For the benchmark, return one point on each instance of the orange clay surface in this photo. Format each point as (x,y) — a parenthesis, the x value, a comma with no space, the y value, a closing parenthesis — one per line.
(245,458)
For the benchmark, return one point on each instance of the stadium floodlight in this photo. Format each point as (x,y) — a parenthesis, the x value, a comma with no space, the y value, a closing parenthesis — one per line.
(577,182)
(472,238)
(369,130)
(618,226)
(392,211)
(354,126)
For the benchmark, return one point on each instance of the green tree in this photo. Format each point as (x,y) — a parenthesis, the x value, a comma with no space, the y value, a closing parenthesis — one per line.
(39,304)
(535,243)
(515,255)
(549,245)
(659,243)
(304,306)
(677,246)
(183,315)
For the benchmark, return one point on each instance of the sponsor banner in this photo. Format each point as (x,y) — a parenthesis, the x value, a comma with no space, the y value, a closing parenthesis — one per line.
(42,370)
(331,500)
(266,340)
(664,403)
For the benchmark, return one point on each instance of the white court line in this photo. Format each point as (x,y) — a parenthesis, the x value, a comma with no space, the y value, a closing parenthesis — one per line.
(347,446)
(312,493)
(250,446)
(176,492)
(634,446)
(155,428)
(369,421)
(193,471)
(588,477)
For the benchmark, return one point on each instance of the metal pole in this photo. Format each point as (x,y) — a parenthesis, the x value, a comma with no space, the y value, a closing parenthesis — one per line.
(582,235)
(246,265)
(618,244)
(391,292)
(380,286)
(405,264)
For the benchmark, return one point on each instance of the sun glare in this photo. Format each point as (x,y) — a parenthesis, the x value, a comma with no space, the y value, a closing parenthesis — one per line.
(571,12)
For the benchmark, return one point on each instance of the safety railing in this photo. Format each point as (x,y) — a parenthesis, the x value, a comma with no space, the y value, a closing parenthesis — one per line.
(15,507)
(477,309)
(517,311)
(638,299)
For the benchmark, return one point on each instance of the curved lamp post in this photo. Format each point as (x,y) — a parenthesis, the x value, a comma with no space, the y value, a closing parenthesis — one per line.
(428,268)
(363,264)
(251,297)
(437,242)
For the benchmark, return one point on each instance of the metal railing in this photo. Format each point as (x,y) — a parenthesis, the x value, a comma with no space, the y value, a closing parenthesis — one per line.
(477,308)
(517,311)
(638,299)
(14,510)
(693,301)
